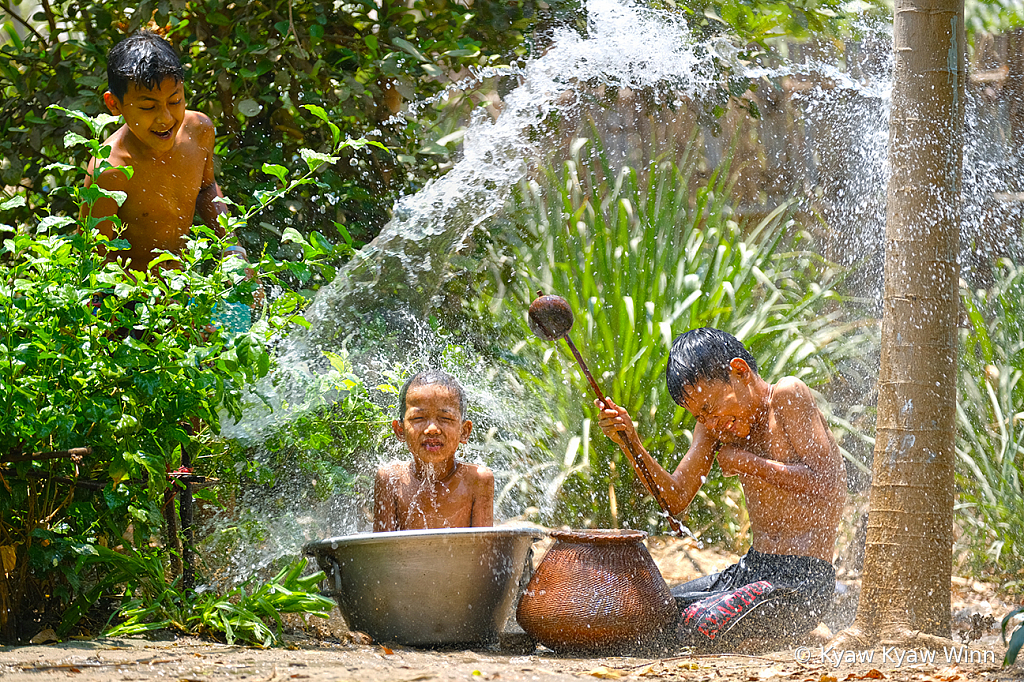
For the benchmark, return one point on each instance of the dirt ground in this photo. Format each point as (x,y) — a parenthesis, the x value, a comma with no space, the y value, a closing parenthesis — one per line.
(330,653)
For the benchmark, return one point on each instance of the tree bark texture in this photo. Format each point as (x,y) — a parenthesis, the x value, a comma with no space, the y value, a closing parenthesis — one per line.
(908,555)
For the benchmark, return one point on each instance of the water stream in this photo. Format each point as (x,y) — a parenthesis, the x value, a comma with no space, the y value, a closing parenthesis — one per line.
(397,281)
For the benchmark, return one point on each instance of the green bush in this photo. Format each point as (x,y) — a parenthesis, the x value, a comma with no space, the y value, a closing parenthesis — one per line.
(132,366)
(249,613)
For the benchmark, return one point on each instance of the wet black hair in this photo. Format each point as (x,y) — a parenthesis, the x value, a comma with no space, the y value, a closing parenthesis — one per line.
(428,377)
(703,353)
(143,58)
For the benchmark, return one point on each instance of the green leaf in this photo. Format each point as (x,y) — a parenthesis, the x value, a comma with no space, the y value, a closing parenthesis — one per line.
(432,70)
(54,221)
(408,47)
(290,234)
(317,111)
(1016,639)
(14,202)
(315,159)
(249,107)
(278,171)
(73,139)
(57,165)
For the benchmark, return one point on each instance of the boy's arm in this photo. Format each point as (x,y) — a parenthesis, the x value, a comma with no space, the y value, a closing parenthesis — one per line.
(208,209)
(385,502)
(483,499)
(817,469)
(677,489)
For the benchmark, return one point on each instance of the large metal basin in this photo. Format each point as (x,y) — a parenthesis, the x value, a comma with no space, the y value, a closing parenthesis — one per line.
(426,587)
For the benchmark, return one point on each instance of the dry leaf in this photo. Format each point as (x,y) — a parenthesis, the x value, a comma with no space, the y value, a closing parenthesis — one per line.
(689,665)
(827,678)
(386,650)
(646,670)
(7,559)
(47,636)
(358,637)
(604,673)
(948,674)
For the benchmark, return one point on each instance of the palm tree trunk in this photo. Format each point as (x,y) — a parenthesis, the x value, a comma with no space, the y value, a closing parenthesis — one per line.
(908,555)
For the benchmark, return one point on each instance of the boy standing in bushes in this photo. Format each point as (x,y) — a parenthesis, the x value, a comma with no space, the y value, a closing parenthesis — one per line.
(169,149)
(777,441)
(433,490)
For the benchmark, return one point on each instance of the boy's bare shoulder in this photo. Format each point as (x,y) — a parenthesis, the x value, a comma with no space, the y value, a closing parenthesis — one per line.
(477,472)
(790,390)
(199,124)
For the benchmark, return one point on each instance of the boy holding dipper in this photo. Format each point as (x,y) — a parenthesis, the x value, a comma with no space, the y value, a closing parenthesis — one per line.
(434,490)
(776,440)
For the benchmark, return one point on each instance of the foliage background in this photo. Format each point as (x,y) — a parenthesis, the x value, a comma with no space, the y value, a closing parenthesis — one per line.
(252,67)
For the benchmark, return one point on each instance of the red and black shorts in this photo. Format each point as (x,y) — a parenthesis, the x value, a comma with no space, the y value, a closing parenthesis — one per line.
(764,596)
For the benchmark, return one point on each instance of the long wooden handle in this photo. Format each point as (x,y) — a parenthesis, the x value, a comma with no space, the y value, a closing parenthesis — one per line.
(641,466)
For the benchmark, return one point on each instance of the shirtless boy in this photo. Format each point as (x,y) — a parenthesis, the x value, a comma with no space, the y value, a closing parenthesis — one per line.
(776,440)
(169,148)
(433,490)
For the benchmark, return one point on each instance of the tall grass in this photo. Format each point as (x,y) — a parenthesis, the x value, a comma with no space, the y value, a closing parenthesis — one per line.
(643,255)
(990,433)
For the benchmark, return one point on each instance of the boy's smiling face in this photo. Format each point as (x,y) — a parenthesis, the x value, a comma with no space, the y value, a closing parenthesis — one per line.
(433,426)
(153,116)
(730,409)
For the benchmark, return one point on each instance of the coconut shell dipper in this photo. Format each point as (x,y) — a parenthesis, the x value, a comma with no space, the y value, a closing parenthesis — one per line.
(551,319)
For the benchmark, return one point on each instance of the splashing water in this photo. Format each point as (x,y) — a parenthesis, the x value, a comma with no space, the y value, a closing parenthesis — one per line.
(399,276)
(409,261)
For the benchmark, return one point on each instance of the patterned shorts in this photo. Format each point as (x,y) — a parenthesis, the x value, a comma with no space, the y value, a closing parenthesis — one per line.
(764,596)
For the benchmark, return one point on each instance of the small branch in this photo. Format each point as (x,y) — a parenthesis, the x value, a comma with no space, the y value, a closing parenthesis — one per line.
(14,15)
(74,454)
(49,17)
(291,27)
(87,485)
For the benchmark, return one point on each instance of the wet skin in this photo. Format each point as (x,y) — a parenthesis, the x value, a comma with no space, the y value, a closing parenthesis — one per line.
(778,443)
(433,490)
(170,150)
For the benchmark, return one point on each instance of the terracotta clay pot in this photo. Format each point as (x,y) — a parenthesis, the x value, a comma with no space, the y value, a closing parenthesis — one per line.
(596,590)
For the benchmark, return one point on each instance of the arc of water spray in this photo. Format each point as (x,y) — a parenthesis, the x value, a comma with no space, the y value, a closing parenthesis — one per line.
(551,319)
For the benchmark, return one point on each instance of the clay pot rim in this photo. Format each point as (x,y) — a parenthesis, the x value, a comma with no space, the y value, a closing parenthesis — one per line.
(604,536)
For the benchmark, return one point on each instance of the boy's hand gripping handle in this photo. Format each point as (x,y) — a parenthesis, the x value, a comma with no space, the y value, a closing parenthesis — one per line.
(551,318)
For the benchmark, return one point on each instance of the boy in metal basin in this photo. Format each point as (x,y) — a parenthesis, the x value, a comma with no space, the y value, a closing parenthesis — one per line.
(434,490)
(777,441)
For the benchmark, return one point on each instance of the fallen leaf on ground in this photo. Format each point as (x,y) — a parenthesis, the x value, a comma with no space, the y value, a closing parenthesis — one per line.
(827,678)
(47,636)
(360,637)
(604,673)
(872,674)
(947,674)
